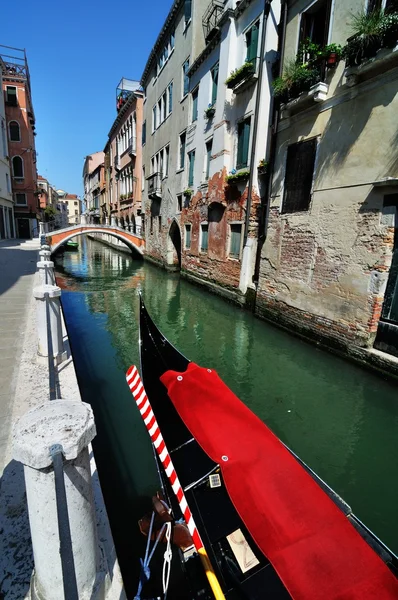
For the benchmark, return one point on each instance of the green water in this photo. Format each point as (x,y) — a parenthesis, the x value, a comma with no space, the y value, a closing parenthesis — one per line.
(339,418)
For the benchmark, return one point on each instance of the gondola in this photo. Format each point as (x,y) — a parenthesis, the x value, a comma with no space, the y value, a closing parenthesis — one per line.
(260,522)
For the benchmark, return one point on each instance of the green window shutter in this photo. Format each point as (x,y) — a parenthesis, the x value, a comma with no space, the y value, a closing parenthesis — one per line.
(187,10)
(170,97)
(205,238)
(182,150)
(191,168)
(195,106)
(214,76)
(252,43)
(236,232)
(187,236)
(243,144)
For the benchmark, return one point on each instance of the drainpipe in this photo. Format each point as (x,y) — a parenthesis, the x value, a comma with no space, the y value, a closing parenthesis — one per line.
(247,243)
(262,231)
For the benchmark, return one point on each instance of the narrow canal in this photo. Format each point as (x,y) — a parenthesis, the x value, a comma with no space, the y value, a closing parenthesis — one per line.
(340,419)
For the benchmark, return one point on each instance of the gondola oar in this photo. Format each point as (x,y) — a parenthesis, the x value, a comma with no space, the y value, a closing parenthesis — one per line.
(137,389)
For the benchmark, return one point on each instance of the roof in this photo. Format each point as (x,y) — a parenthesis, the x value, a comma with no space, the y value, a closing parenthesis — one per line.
(177,4)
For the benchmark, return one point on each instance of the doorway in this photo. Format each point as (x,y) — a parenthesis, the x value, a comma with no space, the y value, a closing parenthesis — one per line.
(174,247)
(24,229)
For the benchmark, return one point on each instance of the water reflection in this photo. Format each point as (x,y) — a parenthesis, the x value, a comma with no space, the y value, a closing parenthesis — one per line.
(339,418)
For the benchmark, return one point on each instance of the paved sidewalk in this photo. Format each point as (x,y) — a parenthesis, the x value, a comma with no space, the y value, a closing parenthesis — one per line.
(18,260)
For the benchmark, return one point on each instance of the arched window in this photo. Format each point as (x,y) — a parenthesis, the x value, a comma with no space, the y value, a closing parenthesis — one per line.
(15,132)
(17,167)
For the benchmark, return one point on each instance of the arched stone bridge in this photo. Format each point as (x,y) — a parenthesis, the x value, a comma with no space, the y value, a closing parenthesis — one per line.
(57,238)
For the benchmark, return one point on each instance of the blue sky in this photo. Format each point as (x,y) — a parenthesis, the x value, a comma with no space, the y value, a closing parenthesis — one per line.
(77,52)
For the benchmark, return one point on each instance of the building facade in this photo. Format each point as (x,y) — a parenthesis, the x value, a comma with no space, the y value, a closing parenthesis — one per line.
(20,120)
(94,185)
(73,204)
(166,116)
(325,267)
(123,159)
(7,227)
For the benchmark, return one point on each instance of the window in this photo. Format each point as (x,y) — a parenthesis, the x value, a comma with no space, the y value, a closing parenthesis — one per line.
(144,133)
(170,98)
(172,39)
(252,43)
(183,137)
(76,212)
(154,120)
(187,10)
(17,167)
(209,146)
(3,138)
(11,95)
(243,144)
(15,133)
(76,203)
(191,160)
(8,184)
(179,202)
(195,105)
(299,174)
(185,78)
(235,240)
(204,237)
(214,83)
(188,236)
(314,23)
(163,107)
(166,161)
(20,199)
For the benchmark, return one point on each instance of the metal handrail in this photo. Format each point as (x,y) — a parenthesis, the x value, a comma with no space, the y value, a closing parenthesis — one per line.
(65,538)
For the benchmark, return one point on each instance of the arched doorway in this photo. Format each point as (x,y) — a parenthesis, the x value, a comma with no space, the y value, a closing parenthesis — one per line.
(174,246)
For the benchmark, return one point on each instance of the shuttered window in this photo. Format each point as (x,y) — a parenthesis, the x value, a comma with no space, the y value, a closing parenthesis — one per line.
(195,105)
(204,238)
(252,43)
(187,10)
(299,175)
(182,150)
(191,158)
(243,144)
(214,80)
(187,237)
(236,234)
(185,77)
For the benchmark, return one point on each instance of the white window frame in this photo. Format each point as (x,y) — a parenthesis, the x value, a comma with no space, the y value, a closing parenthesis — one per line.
(18,203)
(200,237)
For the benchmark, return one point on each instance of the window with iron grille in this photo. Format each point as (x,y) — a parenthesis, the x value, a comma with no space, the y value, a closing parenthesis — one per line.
(188,236)
(235,240)
(300,165)
(204,237)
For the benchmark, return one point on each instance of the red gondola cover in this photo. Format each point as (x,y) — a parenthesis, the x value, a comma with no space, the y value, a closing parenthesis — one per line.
(315,550)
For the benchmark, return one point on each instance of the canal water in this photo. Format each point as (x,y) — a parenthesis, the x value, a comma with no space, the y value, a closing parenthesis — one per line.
(340,419)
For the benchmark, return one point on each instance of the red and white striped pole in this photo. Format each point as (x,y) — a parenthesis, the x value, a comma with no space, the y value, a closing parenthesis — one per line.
(137,389)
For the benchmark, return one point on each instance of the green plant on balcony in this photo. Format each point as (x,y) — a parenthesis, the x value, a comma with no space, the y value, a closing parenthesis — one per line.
(210,111)
(371,31)
(262,167)
(296,78)
(187,193)
(239,74)
(238,177)
(50,212)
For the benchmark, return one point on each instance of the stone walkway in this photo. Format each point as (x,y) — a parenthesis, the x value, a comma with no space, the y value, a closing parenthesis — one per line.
(18,260)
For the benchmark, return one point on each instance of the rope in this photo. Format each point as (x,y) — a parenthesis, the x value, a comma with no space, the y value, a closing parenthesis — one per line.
(168,555)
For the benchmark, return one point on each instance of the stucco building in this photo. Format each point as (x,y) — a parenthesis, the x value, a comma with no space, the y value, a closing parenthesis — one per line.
(325,266)
(7,228)
(73,206)
(94,185)
(123,159)
(20,120)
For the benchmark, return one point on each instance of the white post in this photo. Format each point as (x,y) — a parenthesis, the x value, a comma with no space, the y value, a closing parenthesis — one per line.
(46,272)
(106,220)
(70,424)
(45,254)
(49,319)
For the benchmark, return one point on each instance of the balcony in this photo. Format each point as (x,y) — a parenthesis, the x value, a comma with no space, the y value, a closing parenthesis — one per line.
(155,186)
(126,198)
(211,19)
(242,78)
(132,147)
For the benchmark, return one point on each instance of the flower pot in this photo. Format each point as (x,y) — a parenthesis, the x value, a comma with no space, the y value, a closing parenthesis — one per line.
(332,59)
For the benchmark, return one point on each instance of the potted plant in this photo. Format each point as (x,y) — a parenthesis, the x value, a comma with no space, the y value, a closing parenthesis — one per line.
(332,53)
(237,177)
(187,193)
(367,29)
(296,78)
(239,74)
(210,111)
(389,30)
(262,167)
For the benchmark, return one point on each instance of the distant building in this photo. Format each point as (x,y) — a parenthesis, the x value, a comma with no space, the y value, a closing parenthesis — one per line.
(94,185)
(51,210)
(123,159)
(20,120)
(74,206)
(7,228)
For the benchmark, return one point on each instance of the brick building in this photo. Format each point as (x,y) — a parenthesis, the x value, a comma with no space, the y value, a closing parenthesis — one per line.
(325,264)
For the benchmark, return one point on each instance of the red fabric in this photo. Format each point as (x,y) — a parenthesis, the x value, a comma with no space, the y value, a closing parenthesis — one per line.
(315,550)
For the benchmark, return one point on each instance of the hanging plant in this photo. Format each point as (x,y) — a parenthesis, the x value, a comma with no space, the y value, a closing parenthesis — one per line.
(187,193)
(238,177)
(210,111)
(239,74)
